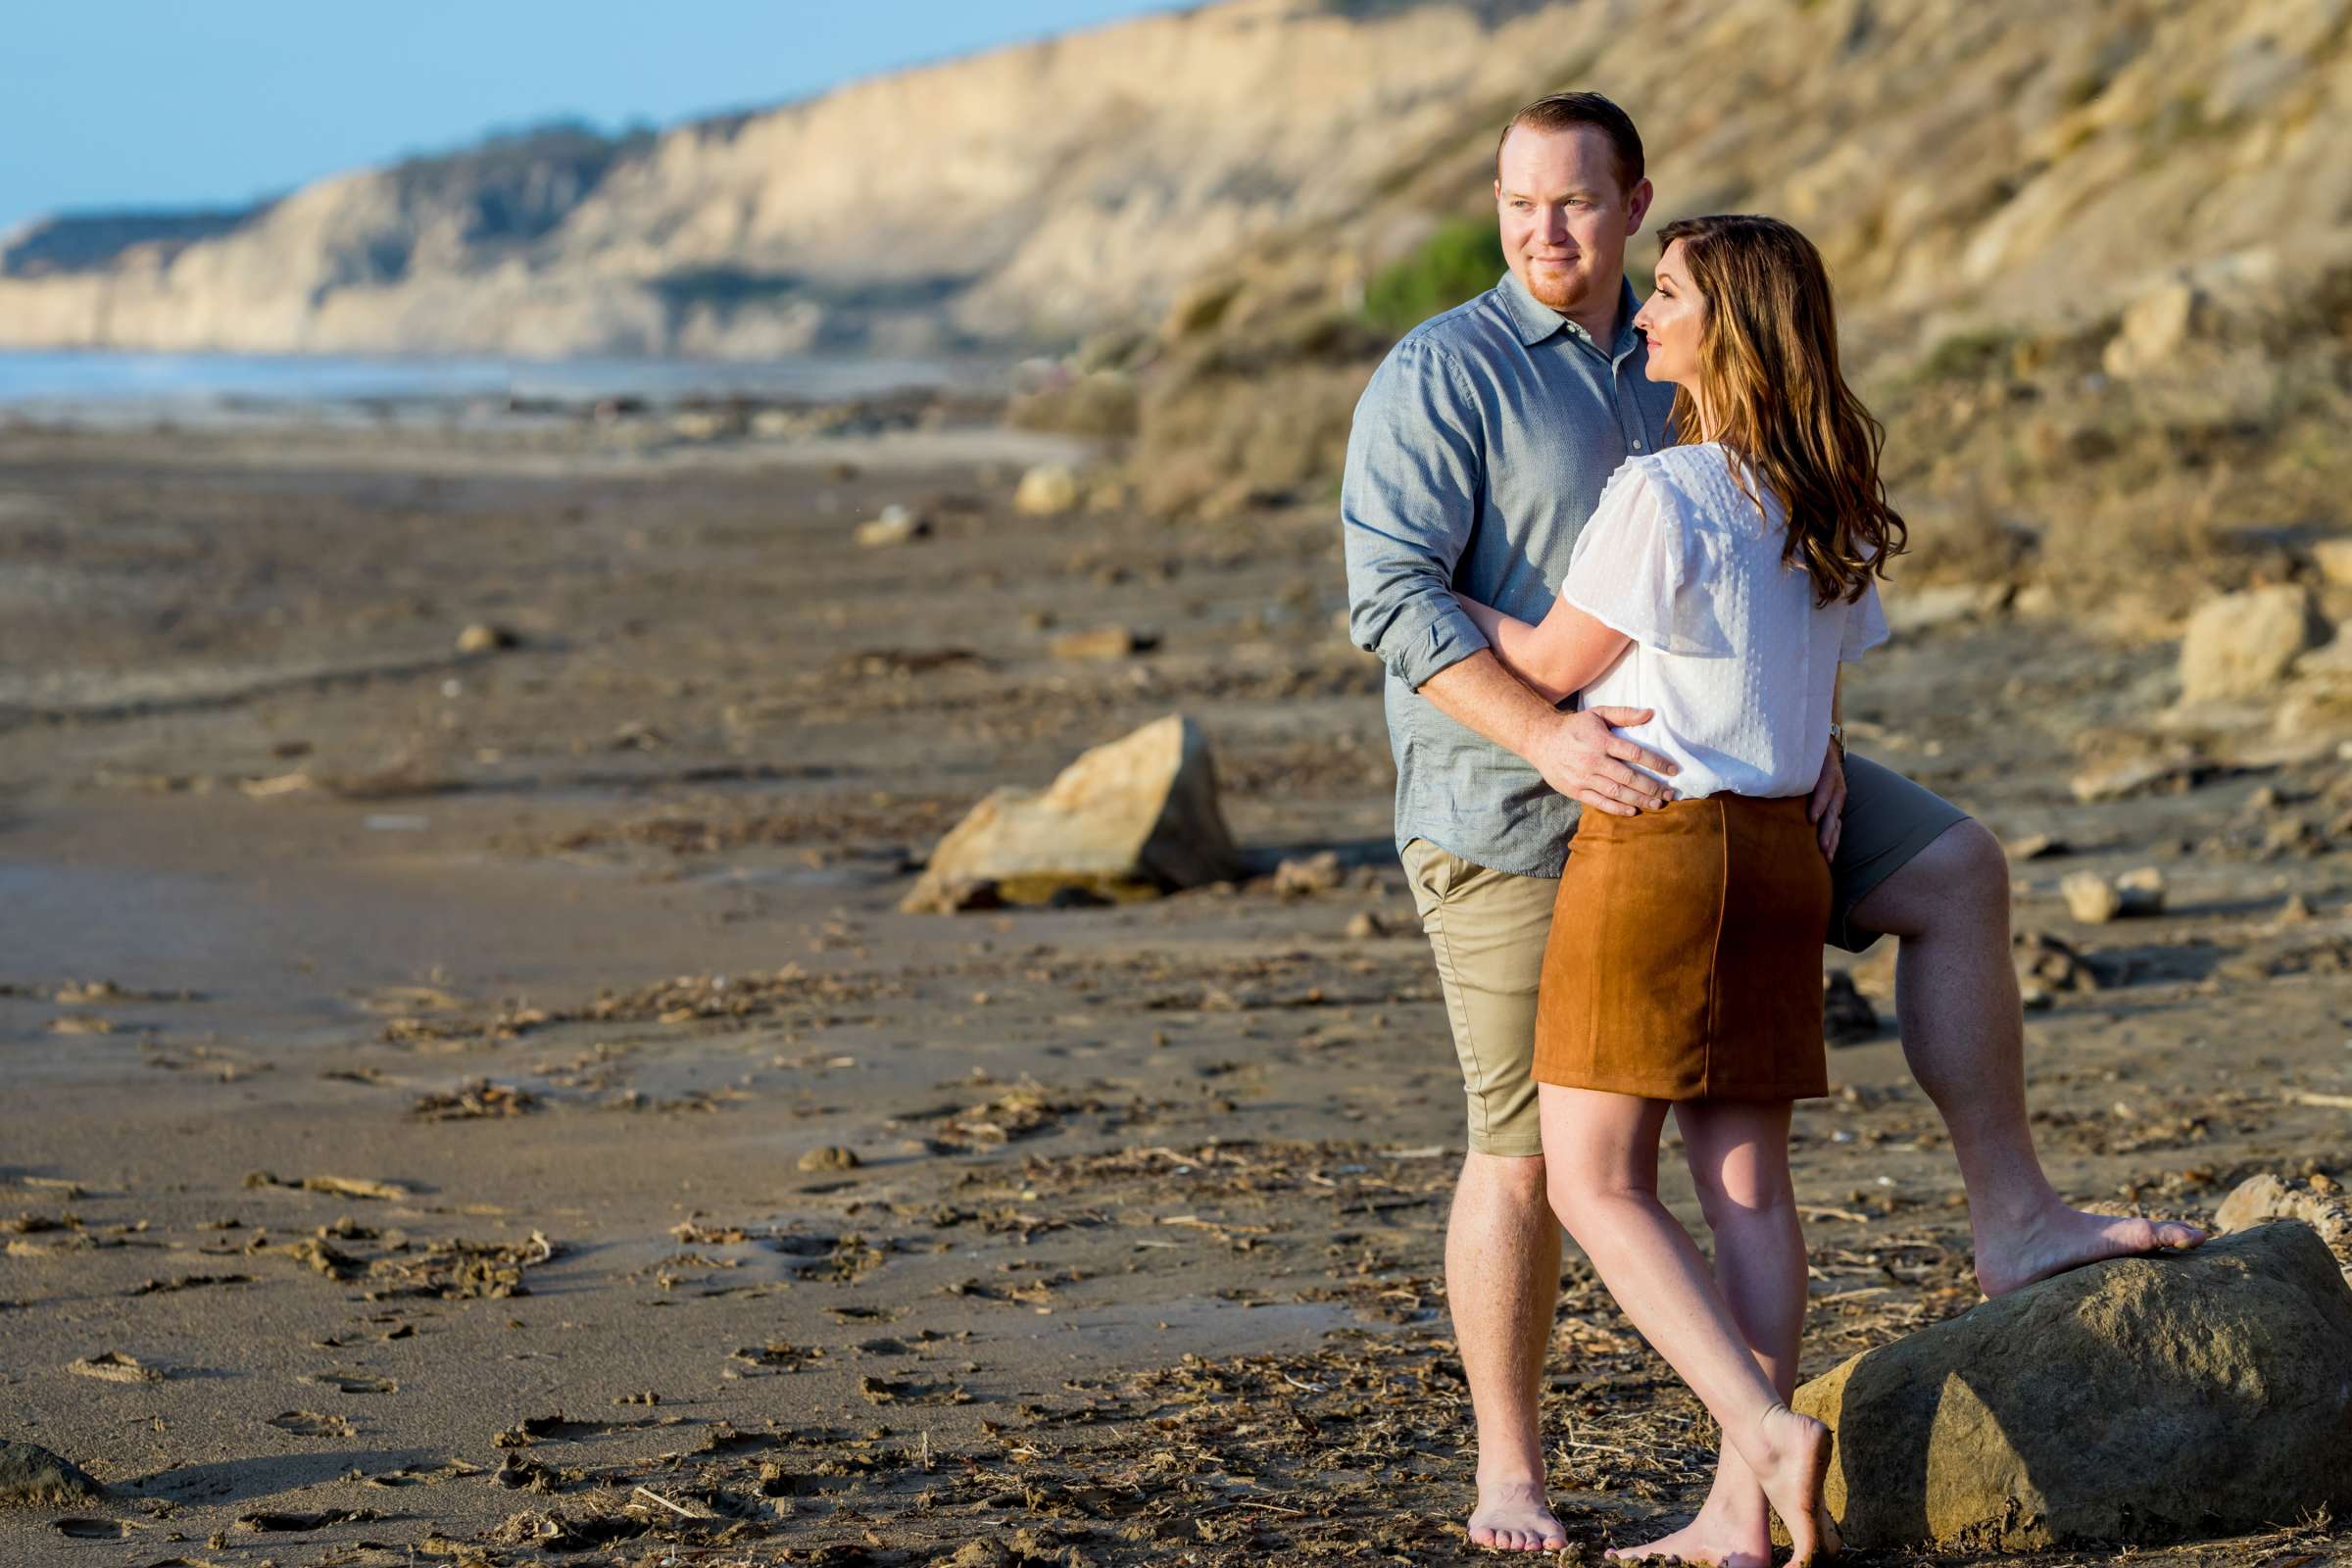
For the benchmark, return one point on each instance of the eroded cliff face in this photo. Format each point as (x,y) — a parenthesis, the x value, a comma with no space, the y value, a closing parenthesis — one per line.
(1956,159)
(1029,192)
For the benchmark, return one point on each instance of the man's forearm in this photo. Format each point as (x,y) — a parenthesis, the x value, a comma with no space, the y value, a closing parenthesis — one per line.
(1479,694)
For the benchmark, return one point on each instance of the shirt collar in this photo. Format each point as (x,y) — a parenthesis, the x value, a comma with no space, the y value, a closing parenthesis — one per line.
(1536,321)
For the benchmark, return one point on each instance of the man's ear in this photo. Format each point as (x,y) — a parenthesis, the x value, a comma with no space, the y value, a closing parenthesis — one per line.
(1637,205)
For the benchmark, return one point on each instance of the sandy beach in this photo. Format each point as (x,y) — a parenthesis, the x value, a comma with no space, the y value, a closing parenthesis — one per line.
(483,1104)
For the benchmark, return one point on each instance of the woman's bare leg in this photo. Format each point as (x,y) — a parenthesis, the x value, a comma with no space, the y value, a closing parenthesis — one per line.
(1738,1157)
(1601,1155)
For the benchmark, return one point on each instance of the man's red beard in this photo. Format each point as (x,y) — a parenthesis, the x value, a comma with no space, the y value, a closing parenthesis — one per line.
(1559,290)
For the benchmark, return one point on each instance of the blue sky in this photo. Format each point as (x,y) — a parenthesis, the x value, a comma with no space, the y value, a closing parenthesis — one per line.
(177,103)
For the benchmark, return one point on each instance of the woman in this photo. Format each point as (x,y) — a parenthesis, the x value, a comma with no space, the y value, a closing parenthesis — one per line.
(1719,583)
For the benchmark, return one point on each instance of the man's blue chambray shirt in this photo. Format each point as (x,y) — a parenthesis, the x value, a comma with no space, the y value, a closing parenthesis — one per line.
(1479,452)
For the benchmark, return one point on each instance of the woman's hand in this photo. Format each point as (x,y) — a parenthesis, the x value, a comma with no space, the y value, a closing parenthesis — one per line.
(1826,811)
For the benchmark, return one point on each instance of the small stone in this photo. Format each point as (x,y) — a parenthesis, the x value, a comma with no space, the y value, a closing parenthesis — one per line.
(897,525)
(1367,925)
(1105,641)
(1046,491)
(831,1159)
(2333,558)
(2090,897)
(1303,876)
(2140,892)
(484,638)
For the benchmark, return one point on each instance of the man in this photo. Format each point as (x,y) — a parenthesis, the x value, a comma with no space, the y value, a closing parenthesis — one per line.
(1480,448)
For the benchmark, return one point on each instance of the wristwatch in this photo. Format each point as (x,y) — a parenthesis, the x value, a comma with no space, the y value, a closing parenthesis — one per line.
(1837,739)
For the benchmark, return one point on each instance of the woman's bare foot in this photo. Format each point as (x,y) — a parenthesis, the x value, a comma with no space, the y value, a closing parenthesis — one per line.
(2060,1238)
(1791,1457)
(1515,1516)
(1715,1537)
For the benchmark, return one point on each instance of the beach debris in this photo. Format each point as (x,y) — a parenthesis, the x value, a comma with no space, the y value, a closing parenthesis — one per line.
(273,1519)
(313,1424)
(338,1186)
(2239,645)
(32,1477)
(833,1156)
(1047,490)
(486,637)
(115,1367)
(2000,1427)
(478,1098)
(1846,1014)
(1103,642)
(1132,819)
(187,1282)
(352,1382)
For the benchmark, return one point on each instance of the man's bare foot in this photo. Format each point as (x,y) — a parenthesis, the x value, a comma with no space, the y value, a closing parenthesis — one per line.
(2060,1238)
(1714,1536)
(1515,1516)
(1791,1456)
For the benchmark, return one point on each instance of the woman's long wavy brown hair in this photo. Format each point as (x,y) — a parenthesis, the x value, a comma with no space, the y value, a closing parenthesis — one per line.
(1768,360)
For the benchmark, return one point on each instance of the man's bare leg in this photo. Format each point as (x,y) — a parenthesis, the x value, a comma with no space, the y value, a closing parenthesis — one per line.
(1503,1285)
(1955,995)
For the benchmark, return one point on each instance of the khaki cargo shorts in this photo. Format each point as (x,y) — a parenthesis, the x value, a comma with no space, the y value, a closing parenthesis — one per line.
(1487,929)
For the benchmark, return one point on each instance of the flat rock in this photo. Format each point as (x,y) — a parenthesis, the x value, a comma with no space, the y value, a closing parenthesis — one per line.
(1131,819)
(2258,1200)
(2144,1399)
(32,1477)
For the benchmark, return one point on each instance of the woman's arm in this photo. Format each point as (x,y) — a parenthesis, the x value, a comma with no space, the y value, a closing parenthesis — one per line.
(1564,654)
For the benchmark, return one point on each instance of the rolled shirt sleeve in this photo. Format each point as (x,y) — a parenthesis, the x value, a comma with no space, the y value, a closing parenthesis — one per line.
(1407,504)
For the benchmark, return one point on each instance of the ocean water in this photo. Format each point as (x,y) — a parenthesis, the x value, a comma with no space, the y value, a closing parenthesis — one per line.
(87,386)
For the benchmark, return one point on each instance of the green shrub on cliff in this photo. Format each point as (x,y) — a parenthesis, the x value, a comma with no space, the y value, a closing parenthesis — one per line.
(1464,256)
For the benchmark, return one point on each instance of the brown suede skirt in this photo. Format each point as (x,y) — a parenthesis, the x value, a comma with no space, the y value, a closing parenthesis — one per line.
(1685,955)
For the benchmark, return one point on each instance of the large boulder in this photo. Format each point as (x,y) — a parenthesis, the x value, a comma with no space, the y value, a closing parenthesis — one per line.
(2144,1399)
(32,1477)
(1130,819)
(2242,645)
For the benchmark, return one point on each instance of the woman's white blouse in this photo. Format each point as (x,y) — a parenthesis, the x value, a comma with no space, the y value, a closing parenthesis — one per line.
(1728,646)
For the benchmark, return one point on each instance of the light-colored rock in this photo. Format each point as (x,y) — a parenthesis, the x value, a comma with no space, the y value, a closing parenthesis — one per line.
(1046,491)
(32,1477)
(2090,897)
(1130,819)
(2137,1401)
(897,525)
(2118,777)
(1102,642)
(2333,558)
(482,638)
(2239,645)
(2155,329)
(2141,891)
(1302,876)
(2259,1200)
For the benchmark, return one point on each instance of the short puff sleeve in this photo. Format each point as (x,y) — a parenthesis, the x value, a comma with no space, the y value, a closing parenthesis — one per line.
(1630,568)
(1865,624)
